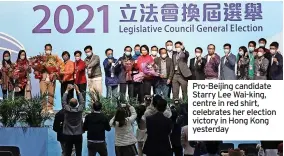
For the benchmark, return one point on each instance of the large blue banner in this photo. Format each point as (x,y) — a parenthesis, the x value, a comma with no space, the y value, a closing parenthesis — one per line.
(70,26)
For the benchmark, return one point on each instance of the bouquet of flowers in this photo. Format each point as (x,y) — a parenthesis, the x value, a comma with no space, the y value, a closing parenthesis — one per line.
(128,65)
(52,67)
(36,63)
(150,69)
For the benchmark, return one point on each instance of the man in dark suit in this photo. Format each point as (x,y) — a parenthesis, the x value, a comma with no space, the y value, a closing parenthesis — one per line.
(181,71)
(73,123)
(276,68)
(166,70)
(197,65)
(158,129)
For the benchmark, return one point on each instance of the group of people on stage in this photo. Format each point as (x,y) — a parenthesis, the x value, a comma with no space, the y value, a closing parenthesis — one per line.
(165,69)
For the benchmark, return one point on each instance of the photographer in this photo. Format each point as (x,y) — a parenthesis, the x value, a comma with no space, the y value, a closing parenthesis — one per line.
(125,139)
(73,123)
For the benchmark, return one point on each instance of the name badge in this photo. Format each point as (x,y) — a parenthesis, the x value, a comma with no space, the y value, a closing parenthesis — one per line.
(176,67)
(89,71)
(239,73)
(250,67)
(258,73)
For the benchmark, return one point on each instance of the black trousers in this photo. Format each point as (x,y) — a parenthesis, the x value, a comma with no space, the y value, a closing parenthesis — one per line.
(122,90)
(147,85)
(5,93)
(20,93)
(64,87)
(72,140)
(177,150)
(138,91)
(170,90)
(94,148)
(83,90)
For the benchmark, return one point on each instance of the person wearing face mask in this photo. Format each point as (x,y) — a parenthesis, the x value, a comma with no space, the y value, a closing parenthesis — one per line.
(262,43)
(48,81)
(137,86)
(276,69)
(67,75)
(252,54)
(211,69)
(227,64)
(154,52)
(169,48)
(73,123)
(166,70)
(243,64)
(197,65)
(181,71)
(125,64)
(94,71)
(80,74)
(111,74)
(261,65)
(7,69)
(144,60)
(21,75)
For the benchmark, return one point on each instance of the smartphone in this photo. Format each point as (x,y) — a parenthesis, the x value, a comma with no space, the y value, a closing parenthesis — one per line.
(71,86)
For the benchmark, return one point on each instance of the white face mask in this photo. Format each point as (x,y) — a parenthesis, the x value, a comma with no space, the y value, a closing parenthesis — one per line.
(197,54)
(22,57)
(164,55)
(241,53)
(178,50)
(272,52)
(226,51)
(6,58)
(48,51)
(169,48)
(78,58)
(127,53)
(259,54)
(154,53)
(89,54)
(261,45)
(251,49)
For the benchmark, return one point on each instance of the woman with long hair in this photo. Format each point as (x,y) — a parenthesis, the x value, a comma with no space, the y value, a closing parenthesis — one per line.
(125,139)
(7,83)
(21,75)
(243,64)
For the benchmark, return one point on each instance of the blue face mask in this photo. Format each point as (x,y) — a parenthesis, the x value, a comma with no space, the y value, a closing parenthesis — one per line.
(137,52)
(109,56)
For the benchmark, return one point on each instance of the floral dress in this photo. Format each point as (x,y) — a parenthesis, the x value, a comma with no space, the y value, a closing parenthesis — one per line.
(7,82)
(21,74)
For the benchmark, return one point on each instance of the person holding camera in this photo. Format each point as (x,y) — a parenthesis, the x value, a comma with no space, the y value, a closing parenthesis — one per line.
(73,123)
(125,139)
(96,124)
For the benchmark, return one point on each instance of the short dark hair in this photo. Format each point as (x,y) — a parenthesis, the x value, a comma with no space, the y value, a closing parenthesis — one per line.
(227,44)
(88,47)
(161,105)
(199,48)
(161,50)
(97,106)
(127,47)
(275,44)
(154,47)
(137,45)
(244,49)
(65,53)
(108,50)
(263,48)
(178,42)
(156,99)
(169,41)
(211,45)
(78,52)
(144,46)
(48,45)
(262,39)
(252,42)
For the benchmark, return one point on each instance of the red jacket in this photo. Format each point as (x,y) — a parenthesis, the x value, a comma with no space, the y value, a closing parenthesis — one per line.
(143,60)
(80,75)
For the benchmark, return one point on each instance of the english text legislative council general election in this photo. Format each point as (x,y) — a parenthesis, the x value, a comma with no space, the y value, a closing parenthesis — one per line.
(207,129)
(189,28)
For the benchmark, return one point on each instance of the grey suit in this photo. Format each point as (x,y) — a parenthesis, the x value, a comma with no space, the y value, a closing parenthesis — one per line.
(169,64)
(260,70)
(181,74)
(93,66)
(73,123)
(227,67)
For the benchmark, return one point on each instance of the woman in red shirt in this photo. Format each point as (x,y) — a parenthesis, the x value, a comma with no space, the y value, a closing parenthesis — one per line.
(144,61)
(80,75)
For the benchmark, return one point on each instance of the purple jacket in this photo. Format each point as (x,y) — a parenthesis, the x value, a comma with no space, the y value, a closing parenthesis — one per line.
(212,67)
